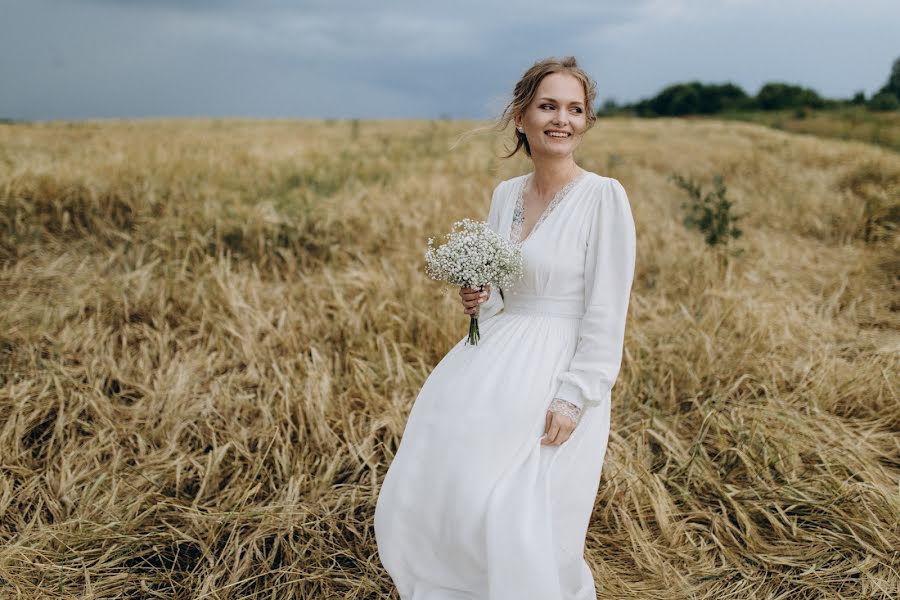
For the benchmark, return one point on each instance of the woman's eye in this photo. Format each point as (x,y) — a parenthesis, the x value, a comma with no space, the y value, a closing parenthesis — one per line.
(551,107)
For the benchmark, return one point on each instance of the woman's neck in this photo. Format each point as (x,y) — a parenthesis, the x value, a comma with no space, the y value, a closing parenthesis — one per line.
(552,174)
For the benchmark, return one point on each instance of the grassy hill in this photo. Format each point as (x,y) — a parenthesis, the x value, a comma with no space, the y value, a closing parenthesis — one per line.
(211,334)
(851,123)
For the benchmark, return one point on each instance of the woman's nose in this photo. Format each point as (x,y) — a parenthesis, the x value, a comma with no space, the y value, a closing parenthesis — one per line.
(561,117)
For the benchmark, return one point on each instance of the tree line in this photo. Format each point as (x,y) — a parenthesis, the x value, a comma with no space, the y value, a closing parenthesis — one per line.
(697,98)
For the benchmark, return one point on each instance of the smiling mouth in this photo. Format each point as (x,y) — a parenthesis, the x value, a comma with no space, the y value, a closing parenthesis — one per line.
(559,135)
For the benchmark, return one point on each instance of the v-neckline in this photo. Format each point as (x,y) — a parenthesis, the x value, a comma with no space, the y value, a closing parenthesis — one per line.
(519,211)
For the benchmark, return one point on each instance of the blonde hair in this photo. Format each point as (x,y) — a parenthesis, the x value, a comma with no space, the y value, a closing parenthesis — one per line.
(526,88)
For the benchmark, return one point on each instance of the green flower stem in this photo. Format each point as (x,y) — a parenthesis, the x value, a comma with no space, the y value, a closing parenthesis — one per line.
(473,325)
(473,331)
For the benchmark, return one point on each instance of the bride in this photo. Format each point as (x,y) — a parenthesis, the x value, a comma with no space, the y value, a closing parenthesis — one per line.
(491,489)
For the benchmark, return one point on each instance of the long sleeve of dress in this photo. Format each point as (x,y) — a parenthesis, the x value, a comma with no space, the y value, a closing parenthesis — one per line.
(494,303)
(609,272)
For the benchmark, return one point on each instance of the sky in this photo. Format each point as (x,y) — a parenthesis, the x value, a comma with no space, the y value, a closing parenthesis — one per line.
(88,59)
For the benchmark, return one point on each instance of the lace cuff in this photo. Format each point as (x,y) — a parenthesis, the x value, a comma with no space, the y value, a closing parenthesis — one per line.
(566,408)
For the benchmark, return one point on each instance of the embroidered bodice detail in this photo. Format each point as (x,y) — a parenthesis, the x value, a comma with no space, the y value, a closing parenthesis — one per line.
(518,219)
(566,408)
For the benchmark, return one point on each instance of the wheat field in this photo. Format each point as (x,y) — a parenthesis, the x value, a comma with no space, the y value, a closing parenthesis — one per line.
(213,331)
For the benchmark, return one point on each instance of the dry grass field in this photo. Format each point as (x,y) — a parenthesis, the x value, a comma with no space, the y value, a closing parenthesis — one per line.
(212,333)
(848,123)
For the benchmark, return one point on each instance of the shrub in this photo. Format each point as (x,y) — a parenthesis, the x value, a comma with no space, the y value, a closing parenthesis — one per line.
(709,213)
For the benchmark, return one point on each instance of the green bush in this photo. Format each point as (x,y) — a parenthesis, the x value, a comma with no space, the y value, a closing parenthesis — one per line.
(709,213)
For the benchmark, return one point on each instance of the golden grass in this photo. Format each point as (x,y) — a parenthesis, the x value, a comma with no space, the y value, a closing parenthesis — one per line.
(212,333)
(846,123)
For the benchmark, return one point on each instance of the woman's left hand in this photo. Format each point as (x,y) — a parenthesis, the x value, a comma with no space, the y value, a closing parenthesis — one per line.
(557,428)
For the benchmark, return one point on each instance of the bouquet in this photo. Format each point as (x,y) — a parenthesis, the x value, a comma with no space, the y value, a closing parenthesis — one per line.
(473,256)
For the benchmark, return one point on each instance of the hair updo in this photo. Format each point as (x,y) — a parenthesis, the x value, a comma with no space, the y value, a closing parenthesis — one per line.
(527,87)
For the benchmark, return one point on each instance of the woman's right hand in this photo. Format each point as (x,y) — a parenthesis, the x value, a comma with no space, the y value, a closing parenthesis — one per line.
(472,298)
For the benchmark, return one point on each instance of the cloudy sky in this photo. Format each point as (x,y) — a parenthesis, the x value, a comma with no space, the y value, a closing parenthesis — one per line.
(74,59)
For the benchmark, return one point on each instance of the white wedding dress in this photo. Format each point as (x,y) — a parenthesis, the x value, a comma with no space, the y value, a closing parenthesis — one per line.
(473,506)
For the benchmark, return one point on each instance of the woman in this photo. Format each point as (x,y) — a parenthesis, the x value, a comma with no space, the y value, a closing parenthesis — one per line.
(491,489)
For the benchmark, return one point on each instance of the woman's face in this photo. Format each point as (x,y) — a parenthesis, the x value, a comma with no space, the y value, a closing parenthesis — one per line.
(558,106)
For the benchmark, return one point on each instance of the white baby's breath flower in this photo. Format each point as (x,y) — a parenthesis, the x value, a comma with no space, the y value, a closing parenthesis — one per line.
(473,256)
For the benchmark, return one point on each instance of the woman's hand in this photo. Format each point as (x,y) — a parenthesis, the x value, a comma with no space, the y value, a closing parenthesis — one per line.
(561,421)
(472,298)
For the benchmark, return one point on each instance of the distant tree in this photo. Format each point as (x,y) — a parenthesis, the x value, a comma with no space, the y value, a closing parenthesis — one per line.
(609,107)
(778,95)
(697,98)
(888,97)
(884,101)
(693,98)
(679,99)
(893,82)
(642,108)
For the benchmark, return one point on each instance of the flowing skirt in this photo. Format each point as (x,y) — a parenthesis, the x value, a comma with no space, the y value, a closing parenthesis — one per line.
(473,506)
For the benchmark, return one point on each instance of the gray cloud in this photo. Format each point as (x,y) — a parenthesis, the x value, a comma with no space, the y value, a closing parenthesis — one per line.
(106,58)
